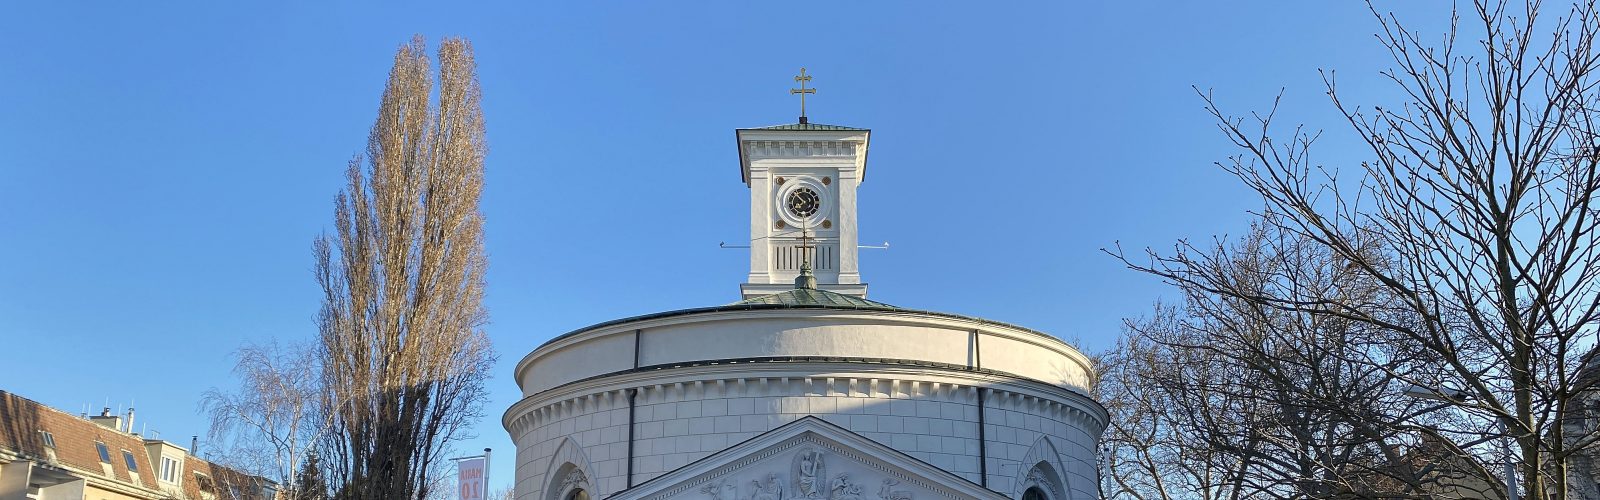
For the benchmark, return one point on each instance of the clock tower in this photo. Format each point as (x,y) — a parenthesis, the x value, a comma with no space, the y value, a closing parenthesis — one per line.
(803,180)
(722,378)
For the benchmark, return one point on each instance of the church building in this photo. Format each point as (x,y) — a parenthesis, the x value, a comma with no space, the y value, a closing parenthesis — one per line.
(804,388)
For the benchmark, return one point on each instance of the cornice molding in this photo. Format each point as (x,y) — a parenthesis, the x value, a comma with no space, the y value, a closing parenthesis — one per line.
(746,138)
(757,379)
(769,149)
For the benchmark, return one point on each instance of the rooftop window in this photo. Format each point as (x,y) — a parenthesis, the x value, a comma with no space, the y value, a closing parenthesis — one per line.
(133,465)
(49,439)
(105,455)
(204,483)
(169,470)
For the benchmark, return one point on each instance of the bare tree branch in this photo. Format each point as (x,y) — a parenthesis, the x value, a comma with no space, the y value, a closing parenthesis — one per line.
(1474,223)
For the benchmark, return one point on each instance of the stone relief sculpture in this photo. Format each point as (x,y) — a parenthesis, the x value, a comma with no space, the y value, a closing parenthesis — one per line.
(842,489)
(809,474)
(888,493)
(770,489)
(809,482)
(574,479)
(721,490)
(1036,476)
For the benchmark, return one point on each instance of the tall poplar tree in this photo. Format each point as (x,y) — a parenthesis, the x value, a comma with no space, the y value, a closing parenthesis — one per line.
(403,280)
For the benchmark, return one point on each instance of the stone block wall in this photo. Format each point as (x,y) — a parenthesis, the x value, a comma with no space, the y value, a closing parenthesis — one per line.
(931,420)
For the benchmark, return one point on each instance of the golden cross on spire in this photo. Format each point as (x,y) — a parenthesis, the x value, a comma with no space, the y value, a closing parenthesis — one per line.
(805,279)
(803,79)
(805,246)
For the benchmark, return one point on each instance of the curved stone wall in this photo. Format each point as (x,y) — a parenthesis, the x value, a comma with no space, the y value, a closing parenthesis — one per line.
(764,333)
(705,382)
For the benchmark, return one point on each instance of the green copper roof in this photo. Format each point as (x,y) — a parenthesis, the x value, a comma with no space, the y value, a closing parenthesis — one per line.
(797,299)
(814,297)
(809,126)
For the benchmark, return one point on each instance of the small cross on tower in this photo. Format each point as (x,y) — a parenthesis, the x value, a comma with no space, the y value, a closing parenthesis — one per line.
(803,79)
(805,247)
(805,280)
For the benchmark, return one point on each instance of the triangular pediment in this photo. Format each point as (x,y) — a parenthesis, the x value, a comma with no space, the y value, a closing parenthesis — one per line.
(808,459)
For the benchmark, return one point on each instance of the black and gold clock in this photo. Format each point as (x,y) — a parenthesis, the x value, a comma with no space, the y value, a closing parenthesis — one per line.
(802,203)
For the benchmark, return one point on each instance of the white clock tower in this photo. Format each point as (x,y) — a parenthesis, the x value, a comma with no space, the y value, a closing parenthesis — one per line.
(803,179)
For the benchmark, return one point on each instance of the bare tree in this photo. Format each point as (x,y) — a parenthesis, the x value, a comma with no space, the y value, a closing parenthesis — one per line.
(506,493)
(1149,452)
(404,357)
(1173,418)
(1476,217)
(1221,397)
(274,418)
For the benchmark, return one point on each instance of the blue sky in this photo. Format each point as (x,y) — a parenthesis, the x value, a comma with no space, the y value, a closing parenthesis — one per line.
(165,166)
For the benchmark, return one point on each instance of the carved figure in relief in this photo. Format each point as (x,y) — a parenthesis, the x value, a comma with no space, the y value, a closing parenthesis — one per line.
(888,493)
(574,479)
(1035,476)
(843,490)
(768,490)
(721,490)
(809,474)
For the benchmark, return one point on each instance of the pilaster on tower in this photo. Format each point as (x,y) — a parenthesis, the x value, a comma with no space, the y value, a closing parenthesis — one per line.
(803,179)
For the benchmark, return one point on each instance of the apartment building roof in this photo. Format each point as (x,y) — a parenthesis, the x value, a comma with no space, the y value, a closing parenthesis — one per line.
(58,441)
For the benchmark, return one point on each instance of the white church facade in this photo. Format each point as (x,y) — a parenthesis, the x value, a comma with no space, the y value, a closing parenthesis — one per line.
(804,388)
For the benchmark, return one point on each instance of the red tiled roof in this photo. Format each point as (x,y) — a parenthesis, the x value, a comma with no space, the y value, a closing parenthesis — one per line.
(22,419)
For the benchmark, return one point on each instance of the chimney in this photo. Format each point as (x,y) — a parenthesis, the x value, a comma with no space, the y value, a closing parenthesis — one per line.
(194,446)
(107,420)
(129,425)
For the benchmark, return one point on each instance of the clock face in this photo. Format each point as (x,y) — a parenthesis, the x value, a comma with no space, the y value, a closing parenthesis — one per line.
(803,203)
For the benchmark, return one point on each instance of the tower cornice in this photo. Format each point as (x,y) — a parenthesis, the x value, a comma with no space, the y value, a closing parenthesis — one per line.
(772,143)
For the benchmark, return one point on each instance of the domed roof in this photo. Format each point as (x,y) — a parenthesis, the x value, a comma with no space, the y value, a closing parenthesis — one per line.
(799,298)
(815,297)
(810,126)
(801,324)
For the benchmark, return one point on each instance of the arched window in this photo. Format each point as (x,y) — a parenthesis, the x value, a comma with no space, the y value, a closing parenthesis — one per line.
(1034,493)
